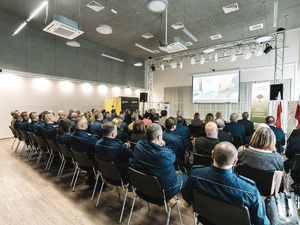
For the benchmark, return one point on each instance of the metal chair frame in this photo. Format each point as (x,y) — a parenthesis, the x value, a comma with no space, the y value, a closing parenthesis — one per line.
(53,148)
(42,146)
(34,145)
(14,134)
(65,154)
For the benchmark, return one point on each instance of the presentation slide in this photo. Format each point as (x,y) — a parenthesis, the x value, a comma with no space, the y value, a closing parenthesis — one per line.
(216,87)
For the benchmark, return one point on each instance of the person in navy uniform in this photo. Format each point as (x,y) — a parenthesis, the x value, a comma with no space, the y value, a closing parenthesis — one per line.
(24,125)
(96,126)
(184,132)
(38,127)
(70,113)
(74,115)
(34,117)
(174,141)
(61,114)
(123,125)
(110,150)
(156,120)
(223,135)
(113,114)
(127,118)
(178,113)
(152,157)
(50,129)
(122,135)
(235,128)
(63,132)
(106,117)
(293,147)
(249,127)
(270,120)
(218,181)
(18,118)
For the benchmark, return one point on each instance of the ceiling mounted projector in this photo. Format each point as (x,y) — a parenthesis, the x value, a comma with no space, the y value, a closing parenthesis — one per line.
(157,6)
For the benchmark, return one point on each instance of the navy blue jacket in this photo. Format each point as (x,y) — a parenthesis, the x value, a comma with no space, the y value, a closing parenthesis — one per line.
(38,128)
(24,125)
(185,133)
(224,136)
(127,119)
(63,138)
(110,150)
(105,120)
(155,160)
(68,116)
(96,128)
(293,147)
(72,125)
(81,141)
(50,131)
(17,124)
(235,129)
(124,126)
(279,134)
(229,187)
(249,126)
(112,117)
(122,135)
(31,125)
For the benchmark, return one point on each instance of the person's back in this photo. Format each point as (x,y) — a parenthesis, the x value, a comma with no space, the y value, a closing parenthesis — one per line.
(249,126)
(218,181)
(235,128)
(50,129)
(96,125)
(223,135)
(270,121)
(63,132)
(38,127)
(24,125)
(184,132)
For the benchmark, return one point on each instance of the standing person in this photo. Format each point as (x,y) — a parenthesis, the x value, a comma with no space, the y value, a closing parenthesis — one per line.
(249,126)
(127,118)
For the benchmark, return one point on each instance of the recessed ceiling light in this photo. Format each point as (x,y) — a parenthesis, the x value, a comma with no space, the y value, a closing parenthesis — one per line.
(231,8)
(138,64)
(73,44)
(95,6)
(157,6)
(104,29)
(147,35)
(209,49)
(113,11)
(178,25)
(215,37)
(188,43)
(264,38)
(256,27)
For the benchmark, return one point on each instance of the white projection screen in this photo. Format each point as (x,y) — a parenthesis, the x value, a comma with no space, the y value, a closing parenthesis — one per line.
(216,87)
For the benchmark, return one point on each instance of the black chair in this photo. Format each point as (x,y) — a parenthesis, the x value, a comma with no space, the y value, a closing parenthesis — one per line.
(132,145)
(54,151)
(42,147)
(110,173)
(279,147)
(195,130)
(202,160)
(237,141)
(264,179)
(295,173)
(82,162)
(148,188)
(20,138)
(219,212)
(66,156)
(14,134)
(34,146)
(25,139)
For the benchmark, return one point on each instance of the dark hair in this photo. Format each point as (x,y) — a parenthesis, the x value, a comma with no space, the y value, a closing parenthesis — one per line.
(156,117)
(209,118)
(164,113)
(170,122)
(23,114)
(138,126)
(245,115)
(107,128)
(196,117)
(270,120)
(64,126)
(113,111)
(42,115)
(179,120)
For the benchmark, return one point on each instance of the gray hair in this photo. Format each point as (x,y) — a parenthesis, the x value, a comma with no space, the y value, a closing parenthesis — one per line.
(98,115)
(152,131)
(220,122)
(233,117)
(225,153)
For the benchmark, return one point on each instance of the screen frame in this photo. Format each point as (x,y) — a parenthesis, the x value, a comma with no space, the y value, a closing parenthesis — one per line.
(238,72)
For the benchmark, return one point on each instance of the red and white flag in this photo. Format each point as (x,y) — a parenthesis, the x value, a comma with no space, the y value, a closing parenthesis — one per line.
(297,114)
(278,111)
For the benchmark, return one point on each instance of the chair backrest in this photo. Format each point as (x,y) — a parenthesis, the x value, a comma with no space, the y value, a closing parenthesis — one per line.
(132,145)
(237,141)
(13,131)
(24,135)
(65,150)
(262,178)
(279,147)
(32,138)
(202,160)
(108,170)
(52,145)
(219,212)
(295,169)
(146,184)
(42,144)
(82,159)
(19,135)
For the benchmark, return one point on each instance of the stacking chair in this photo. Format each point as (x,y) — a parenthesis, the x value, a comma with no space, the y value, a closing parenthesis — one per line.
(237,141)
(264,179)
(42,146)
(109,173)
(34,145)
(54,150)
(219,212)
(202,160)
(132,145)
(66,155)
(20,138)
(82,162)
(14,134)
(279,147)
(148,188)
(25,139)
(295,174)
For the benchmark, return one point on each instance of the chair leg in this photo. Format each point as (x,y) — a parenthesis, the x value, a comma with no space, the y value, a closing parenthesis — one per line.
(124,203)
(78,171)
(48,162)
(30,153)
(39,158)
(97,178)
(23,149)
(169,214)
(17,146)
(76,168)
(62,169)
(195,219)
(100,193)
(179,213)
(148,206)
(134,197)
(118,192)
(13,143)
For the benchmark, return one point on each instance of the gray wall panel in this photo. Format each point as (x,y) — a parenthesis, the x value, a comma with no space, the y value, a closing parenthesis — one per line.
(88,67)
(67,65)
(40,61)
(117,69)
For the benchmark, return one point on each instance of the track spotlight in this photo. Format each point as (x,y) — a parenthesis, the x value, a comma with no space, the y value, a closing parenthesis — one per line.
(173,65)
(162,66)
(181,64)
(216,57)
(202,60)
(153,67)
(193,61)
(268,48)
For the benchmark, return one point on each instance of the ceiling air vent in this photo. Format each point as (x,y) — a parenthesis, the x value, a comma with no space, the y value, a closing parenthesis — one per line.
(231,8)
(215,37)
(256,27)
(178,25)
(95,6)
(188,43)
(147,35)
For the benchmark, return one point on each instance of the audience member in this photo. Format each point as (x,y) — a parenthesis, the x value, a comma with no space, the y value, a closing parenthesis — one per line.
(152,157)
(12,113)
(38,127)
(123,125)
(218,115)
(24,125)
(18,119)
(208,118)
(293,147)
(235,128)
(146,119)
(261,153)
(63,132)
(138,112)
(138,132)
(178,113)
(164,116)
(223,135)
(249,126)
(295,132)
(121,134)
(270,120)
(110,150)
(50,129)
(152,112)
(96,126)
(77,111)
(106,117)
(34,117)
(70,113)
(196,121)
(184,132)
(127,118)
(113,114)
(204,145)
(218,181)
(156,119)
(74,115)
(134,117)
(61,114)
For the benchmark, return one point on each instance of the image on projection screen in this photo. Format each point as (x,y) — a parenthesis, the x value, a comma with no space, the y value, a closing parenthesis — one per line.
(216,87)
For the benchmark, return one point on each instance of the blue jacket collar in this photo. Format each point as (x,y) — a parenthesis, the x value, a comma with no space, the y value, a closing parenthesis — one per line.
(223,171)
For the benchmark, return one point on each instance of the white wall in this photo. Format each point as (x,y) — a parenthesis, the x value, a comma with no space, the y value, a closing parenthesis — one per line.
(39,94)
(254,69)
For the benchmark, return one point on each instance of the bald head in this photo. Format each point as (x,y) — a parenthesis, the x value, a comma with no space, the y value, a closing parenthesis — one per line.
(220,123)
(224,155)
(74,115)
(211,129)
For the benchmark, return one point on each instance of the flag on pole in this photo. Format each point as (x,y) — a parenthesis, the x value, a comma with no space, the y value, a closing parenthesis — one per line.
(297,114)
(278,111)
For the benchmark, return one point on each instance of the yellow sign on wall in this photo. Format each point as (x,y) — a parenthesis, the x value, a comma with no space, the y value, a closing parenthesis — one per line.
(113,103)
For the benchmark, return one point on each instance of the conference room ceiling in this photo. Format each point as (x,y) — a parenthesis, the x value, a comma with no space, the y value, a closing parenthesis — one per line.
(133,19)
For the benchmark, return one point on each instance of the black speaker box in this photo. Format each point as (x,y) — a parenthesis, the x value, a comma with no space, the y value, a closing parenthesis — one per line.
(143,96)
(275,88)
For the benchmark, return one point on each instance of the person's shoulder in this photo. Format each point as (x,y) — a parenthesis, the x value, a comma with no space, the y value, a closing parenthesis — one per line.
(246,181)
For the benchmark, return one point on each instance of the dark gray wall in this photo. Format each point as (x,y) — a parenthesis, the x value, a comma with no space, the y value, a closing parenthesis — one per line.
(35,51)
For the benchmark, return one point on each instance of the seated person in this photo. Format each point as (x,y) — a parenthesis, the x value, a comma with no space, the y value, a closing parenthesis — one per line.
(110,150)
(61,114)
(18,120)
(184,132)
(107,117)
(146,119)
(249,126)
(73,117)
(293,147)
(156,119)
(134,117)
(223,135)
(122,135)
(163,117)
(152,157)
(50,129)
(174,141)
(270,121)
(296,132)
(196,121)
(218,115)
(204,145)
(127,117)
(24,125)
(34,117)
(208,118)
(218,181)
(123,125)
(113,114)
(12,113)
(39,126)
(261,153)
(63,132)
(178,113)
(70,113)
(236,129)
(96,126)
(138,132)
